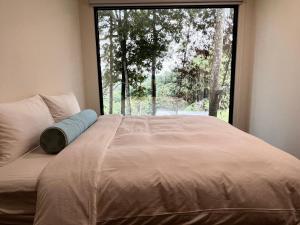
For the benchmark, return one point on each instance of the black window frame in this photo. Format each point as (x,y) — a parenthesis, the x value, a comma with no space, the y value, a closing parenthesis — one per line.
(234,44)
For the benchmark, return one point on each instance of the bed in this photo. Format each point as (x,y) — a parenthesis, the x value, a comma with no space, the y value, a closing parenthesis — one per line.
(171,170)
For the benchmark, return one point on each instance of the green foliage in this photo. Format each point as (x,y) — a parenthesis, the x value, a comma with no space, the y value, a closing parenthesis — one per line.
(182,35)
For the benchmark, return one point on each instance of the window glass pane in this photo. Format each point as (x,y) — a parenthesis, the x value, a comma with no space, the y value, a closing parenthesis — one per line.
(166,61)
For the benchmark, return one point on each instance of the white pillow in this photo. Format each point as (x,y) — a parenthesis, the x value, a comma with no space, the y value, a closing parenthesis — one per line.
(21,124)
(62,106)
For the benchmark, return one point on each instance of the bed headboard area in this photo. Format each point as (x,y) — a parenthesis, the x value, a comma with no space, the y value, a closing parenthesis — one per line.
(40,49)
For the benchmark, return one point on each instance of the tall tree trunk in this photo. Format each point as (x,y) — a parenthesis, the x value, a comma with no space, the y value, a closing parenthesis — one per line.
(123,34)
(123,86)
(153,66)
(127,87)
(226,69)
(120,37)
(215,89)
(186,45)
(111,64)
(184,59)
(153,84)
(126,108)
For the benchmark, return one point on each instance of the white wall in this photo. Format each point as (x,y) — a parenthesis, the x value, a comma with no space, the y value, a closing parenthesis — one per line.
(275,104)
(88,39)
(244,65)
(40,48)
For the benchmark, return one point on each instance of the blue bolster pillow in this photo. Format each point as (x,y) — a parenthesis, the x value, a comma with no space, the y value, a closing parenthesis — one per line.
(57,137)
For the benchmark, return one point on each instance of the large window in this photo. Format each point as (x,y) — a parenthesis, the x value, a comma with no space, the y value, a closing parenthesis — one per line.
(167,61)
